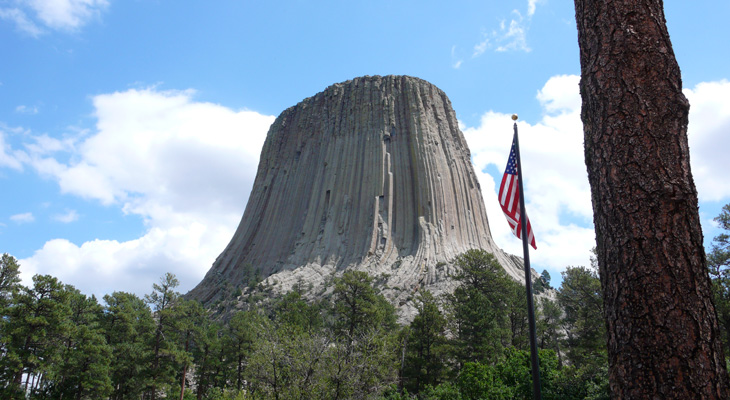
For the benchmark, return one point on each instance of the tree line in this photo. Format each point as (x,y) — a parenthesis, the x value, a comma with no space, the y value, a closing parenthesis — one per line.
(57,343)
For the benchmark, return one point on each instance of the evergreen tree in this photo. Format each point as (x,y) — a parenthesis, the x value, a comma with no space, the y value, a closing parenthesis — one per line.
(128,325)
(479,307)
(581,298)
(239,338)
(9,287)
(549,326)
(517,314)
(294,313)
(208,356)
(718,261)
(9,279)
(358,307)
(648,232)
(165,349)
(425,360)
(82,371)
(189,324)
(36,324)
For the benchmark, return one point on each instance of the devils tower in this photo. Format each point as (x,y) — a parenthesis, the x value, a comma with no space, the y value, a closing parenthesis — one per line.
(371,174)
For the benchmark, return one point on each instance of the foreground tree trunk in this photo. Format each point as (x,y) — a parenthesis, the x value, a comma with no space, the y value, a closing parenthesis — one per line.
(663,339)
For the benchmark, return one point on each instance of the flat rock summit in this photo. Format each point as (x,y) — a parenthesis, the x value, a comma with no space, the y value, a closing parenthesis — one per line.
(371,174)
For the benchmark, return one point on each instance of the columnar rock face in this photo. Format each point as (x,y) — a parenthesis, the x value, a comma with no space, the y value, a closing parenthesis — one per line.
(370,174)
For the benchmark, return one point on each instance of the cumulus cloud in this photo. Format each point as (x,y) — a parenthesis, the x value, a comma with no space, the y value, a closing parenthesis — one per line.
(67,15)
(185,167)
(709,125)
(558,194)
(556,182)
(22,218)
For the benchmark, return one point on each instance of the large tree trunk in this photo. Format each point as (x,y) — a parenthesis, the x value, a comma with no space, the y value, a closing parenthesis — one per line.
(663,338)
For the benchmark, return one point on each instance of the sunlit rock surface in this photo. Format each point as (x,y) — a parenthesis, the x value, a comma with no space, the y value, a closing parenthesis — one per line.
(371,174)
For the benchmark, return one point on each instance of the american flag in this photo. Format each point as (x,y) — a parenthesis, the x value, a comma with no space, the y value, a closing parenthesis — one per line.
(509,199)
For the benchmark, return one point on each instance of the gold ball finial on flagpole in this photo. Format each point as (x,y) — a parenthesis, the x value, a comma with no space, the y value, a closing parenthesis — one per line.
(514,117)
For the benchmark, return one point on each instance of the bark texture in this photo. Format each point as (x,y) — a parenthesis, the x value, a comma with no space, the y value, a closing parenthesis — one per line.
(663,340)
(371,174)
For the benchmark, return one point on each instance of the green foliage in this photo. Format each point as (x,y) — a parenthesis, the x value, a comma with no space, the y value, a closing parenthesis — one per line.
(425,359)
(82,371)
(9,279)
(581,298)
(239,340)
(358,307)
(479,381)
(444,391)
(292,312)
(36,325)
(549,323)
(542,283)
(718,262)
(346,346)
(128,324)
(166,351)
(479,307)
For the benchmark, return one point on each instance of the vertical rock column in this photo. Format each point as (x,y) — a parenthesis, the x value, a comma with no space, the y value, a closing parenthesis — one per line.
(371,174)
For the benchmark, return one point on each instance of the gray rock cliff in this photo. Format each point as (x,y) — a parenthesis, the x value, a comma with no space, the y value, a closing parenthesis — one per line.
(371,174)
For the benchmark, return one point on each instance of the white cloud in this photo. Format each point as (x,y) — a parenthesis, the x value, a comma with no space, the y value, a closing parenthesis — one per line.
(185,167)
(482,46)
(21,20)
(8,157)
(709,138)
(67,14)
(22,218)
(532,6)
(68,217)
(22,109)
(513,36)
(556,182)
(456,62)
(558,193)
(509,36)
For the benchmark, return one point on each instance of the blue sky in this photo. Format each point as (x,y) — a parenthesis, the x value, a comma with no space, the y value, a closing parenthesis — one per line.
(130,130)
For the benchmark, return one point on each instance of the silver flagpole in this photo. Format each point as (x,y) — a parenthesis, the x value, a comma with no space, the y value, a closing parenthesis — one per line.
(536,391)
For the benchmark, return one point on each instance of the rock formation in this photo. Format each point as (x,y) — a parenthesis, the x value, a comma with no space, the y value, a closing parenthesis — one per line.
(371,174)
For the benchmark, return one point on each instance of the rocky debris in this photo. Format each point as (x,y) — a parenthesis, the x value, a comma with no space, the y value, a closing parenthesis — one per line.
(371,174)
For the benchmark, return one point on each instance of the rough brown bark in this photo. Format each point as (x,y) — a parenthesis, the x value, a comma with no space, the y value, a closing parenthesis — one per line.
(663,338)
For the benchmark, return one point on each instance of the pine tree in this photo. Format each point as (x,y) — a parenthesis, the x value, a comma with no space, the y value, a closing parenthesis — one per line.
(128,326)
(425,360)
(239,339)
(358,307)
(189,324)
(581,298)
(663,336)
(479,307)
(36,324)
(718,261)
(82,371)
(165,347)
(208,358)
